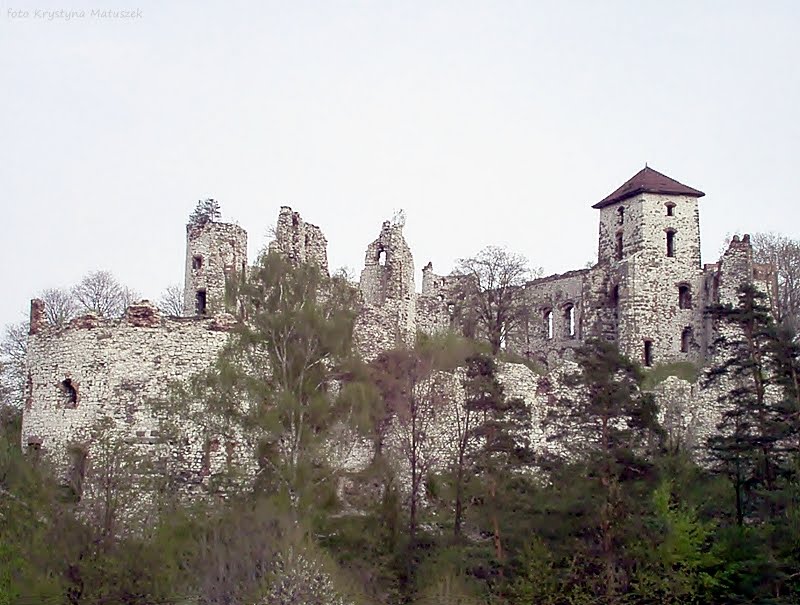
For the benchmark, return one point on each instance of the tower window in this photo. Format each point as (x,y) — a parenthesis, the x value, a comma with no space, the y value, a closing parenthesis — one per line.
(619,245)
(70,393)
(648,353)
(620,215)
(684,296)
(197,262)
(670,209)
(569,321)
(382,258)
(548,324)
(686,339)
(670,243)
(200,302)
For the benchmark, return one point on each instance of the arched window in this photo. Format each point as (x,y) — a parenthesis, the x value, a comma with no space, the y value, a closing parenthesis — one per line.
(569,321)
(547,324)
(684,296)
(686,339)
(619,245)
(382,258)
(670,242)
(670,209)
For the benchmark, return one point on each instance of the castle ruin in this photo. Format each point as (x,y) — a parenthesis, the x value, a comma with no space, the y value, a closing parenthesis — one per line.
(647,292)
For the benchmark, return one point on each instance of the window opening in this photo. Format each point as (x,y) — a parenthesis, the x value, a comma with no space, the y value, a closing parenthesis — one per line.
(648,353)
(670,243)
(382,258)
(569,321)
(620,215)
(197,262)
(200,302)
(684,297)
(70,393)
(548,324)
(619,245)
(670,209)
(686,339)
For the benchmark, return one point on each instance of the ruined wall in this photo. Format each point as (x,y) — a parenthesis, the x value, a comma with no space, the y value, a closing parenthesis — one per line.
(552,322)
(298,241)
(214,252)
(112,370)
(388,315)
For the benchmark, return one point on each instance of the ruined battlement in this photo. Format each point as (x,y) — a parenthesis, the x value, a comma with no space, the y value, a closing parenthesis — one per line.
(647,293)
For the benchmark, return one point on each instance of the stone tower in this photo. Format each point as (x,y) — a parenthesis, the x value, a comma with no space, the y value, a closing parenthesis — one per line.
(214,251)
(650,246)
(299,242)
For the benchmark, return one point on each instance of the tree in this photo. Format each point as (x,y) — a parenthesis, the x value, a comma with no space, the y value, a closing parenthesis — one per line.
(490,288)
(412,394)
(13,350)
(60,306)
(171,301)
(749,444)
(206,211)
(274,384)
(100,292)
(605,423)
(784,254)
(501,430)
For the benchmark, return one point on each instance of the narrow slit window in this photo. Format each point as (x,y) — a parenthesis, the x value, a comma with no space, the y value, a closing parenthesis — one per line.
(620,215)
(548,324)
(569,321)
(648,353)
(382,258)
(197,262)
(670,209)
(619,245)
(670,243)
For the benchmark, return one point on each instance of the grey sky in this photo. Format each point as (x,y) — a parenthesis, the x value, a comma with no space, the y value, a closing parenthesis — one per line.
(488,122)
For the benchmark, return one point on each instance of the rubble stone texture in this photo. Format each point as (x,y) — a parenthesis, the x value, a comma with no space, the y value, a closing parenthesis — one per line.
(647,293)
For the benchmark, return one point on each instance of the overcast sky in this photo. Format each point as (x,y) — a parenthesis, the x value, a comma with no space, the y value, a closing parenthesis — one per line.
(488,122)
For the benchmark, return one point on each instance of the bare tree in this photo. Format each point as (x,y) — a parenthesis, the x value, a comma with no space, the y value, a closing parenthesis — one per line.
(784,254)
(100,292)
(493,278)
(13,349)
(59,306)
(171,301)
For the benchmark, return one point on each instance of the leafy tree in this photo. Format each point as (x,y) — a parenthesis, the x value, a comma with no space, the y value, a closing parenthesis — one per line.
(503,445)
(13,349)
(606,424)
(749,444)
(206,211)
(275,382)
(490,287)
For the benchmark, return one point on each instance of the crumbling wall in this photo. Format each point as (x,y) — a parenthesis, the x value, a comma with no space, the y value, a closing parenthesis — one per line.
(109,372)
(215,252)
(388,316)
(552,323)
(298,241)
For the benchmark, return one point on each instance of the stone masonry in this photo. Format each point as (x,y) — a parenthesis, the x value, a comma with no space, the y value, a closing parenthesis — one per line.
(647,293)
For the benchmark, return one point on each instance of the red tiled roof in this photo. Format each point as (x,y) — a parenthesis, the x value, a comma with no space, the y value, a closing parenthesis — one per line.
(648,180)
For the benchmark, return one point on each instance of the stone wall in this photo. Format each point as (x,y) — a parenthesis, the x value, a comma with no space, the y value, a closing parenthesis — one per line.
(110,371)
(298,241)
(215,252)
